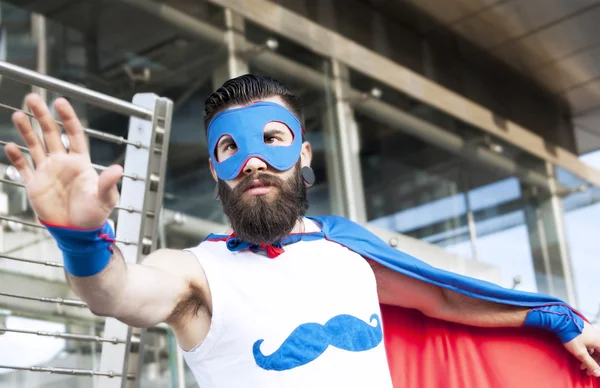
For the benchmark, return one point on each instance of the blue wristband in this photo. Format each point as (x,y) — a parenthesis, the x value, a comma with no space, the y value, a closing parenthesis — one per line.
(86,252)
(559,319)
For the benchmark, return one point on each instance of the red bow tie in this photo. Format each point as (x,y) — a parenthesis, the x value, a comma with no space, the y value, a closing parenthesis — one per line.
(272,251)
(235,244)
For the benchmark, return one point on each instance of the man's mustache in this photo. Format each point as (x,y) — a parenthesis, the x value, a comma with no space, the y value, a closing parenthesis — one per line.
(309,340)
(265,178)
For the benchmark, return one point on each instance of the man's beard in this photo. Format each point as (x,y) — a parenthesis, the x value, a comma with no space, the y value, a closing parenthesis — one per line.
(264,218)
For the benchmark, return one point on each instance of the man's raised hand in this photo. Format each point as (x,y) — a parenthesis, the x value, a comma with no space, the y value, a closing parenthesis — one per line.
(64,188)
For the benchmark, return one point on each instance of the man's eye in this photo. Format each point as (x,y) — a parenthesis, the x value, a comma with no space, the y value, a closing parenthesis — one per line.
(271,139)
(228,147)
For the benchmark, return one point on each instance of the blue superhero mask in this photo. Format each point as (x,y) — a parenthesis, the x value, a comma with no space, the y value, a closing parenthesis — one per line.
(246,127)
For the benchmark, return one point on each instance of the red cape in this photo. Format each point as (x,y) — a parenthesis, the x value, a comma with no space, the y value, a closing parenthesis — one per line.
(428,353)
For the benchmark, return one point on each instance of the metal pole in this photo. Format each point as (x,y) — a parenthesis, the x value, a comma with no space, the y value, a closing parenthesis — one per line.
(98,99)
(180,19)
(538,244)
(70,372)
(469,212)
(348,151)
(544,215)
(26,284)
(554,217)
(472,230)
(45,299)
(235,64)
(70,336)
(187,225)
(333,162)
(38,23)
(38,32)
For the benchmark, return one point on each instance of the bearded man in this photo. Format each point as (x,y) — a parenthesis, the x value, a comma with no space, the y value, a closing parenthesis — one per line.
(286,300)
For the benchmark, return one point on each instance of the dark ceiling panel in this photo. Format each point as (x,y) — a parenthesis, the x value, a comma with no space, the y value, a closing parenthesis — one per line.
(587,140)
(42,6)
(512,19)
(556,41)
(448,12)
(590,120)
(584,98)
(572,71)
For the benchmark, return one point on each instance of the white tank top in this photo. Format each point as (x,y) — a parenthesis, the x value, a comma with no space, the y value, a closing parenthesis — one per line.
(308,318)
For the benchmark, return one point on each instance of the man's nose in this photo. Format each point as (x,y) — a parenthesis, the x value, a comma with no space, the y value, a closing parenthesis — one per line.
(254,165)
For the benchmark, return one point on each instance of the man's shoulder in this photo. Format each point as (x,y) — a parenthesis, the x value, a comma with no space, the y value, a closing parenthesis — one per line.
(214,244)
(174,261)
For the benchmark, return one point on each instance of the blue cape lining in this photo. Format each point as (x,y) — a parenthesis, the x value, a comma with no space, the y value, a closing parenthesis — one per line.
(365,243)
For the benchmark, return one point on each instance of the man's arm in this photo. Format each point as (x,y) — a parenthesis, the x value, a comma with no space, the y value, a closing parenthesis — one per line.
(400,290)
(143,295)
(74,202)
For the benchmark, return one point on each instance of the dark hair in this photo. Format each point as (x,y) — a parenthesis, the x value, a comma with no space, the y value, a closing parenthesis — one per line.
(246,89)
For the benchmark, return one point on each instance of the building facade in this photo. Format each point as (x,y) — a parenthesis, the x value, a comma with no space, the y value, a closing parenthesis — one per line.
(421,130)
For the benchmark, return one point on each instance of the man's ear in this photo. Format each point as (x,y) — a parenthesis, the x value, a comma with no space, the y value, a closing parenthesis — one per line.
(212,170)
(305,155)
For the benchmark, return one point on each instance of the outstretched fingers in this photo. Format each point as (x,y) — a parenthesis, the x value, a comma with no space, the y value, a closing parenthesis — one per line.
(588,362)
(73,127)
(50,128)
(32,140)
(18,160)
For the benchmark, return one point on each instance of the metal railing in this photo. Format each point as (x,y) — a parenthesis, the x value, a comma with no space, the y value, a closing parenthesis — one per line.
(137,221)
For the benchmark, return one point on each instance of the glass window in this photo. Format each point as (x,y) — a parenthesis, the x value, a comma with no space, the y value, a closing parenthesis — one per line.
(410,187)
(501,233)
(450,196)
(419,190)
(582,212)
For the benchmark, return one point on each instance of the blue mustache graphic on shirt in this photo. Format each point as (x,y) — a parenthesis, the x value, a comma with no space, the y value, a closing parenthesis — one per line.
(309,340)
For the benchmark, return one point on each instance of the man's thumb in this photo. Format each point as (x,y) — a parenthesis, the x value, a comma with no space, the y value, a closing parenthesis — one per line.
(107,185)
